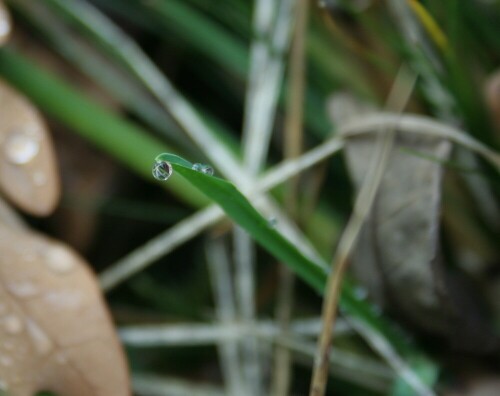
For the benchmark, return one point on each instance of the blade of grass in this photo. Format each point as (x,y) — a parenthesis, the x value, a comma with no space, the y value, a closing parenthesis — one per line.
(206,334)
(100,69)
(398,97)
(218,264)
(167,241)
(314,273)
(272,24)
(292,148)
(106,34)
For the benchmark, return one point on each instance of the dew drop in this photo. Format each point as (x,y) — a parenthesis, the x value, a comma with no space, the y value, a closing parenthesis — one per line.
(20,148)
(272,222)
(162,170)
(41,341)
(23,289)
(203,168)
(64,299)
(12,324)
(59,260)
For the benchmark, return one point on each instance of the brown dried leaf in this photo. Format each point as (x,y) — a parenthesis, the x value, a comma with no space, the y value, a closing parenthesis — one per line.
(401,235)
(5,24)
(397,257)
(55,329)
(28,174)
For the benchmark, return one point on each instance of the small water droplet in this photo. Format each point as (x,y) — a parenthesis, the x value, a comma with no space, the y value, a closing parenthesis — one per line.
(59,260)
(6,361)
(203,168)
(12,324)
(162,170)
(23,289)
(272,222)
(20,148)
(64,299)
(40,340)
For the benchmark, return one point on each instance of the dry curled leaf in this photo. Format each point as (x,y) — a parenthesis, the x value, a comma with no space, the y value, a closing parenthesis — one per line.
(397,257)
(28,174)
(5,24)
(56,333)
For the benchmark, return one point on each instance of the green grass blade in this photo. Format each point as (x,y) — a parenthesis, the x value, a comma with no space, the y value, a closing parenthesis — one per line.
(242,212)
(238,208)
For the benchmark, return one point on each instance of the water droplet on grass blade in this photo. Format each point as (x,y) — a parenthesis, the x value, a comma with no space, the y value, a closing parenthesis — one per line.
(20,148)
(162,170)
(203,168)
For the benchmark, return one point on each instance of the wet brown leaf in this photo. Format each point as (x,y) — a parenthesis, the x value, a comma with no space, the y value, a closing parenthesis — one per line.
(397,257)
(28,175)
(55,331)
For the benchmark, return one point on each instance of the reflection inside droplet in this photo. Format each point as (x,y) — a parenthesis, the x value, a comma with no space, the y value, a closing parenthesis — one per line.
(20,148)
(206,169)
(162,170)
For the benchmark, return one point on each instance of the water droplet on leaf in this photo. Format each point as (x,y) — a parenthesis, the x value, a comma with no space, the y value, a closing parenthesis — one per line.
(12,324)
(203,168)
(41,341)
(272,222)
(23,289)
(162,170)
(59,260)
(20,148)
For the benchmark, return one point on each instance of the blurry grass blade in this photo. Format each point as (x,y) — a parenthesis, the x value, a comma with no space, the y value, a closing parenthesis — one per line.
(123,48)
(430,24)
(125,141)
(98,67)
(220,276)
(201,33)
(265,81)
